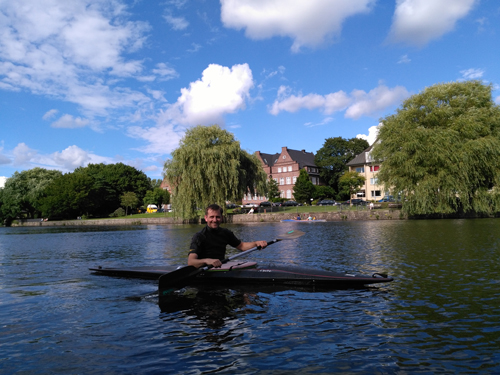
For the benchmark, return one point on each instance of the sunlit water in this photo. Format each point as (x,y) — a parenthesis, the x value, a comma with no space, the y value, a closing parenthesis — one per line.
(440,315)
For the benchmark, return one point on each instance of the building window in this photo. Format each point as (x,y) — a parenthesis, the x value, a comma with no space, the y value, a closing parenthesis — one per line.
(288,181)
(374,168)
(360,169)
(279,170)
(374,181)
(289,168)
(276,179)
(361,194)
(294,179)
(376,193)
(282,194)
(282,181)
(289,194)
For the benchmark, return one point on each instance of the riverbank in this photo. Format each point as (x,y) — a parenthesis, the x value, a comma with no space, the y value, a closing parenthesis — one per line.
(387,214)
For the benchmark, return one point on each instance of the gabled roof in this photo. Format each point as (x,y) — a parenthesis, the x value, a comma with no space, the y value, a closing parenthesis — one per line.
(302,157)
(269,159)
(361,159)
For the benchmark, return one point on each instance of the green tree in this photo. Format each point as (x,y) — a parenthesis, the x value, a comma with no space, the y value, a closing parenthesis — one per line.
(156,196)
(334,155)
(273,191)
(303,189)
(210,167)
(441,150)
(323,191)
(22,193)
(350,183)
(129,199)
(68,196)
(155,183)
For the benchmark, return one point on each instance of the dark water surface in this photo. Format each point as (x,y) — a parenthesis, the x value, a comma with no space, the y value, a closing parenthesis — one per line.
(440,315)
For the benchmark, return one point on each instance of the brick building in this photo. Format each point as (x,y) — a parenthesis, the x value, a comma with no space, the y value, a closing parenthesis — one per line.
(285,168)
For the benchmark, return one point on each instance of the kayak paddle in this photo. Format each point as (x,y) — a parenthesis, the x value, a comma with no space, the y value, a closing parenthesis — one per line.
(180,277)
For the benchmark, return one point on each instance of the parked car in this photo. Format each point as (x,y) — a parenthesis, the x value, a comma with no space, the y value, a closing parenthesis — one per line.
(326,202)
(231,205)
(276,204)
(387,198)
(265,204)
(249,205)
(290,203)
(358,202)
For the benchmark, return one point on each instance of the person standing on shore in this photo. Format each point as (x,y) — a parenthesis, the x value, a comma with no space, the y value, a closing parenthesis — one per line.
(208,246)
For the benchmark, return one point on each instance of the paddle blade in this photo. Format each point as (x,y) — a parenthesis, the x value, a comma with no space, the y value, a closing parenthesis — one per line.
(293,234)
(177,277)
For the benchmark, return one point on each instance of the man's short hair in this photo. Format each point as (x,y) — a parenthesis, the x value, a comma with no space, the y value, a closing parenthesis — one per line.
(213,207)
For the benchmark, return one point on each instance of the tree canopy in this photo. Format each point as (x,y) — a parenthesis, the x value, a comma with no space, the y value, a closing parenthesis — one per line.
(210,167)
(303,189)
(333,157)
(22,193)
(350,183)
(441,150)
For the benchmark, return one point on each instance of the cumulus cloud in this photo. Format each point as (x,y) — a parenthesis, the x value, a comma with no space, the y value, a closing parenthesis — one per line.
(61,48)
(309,23)
(358,103)
(372,102)
(372,134)
(70,122)
(23,155)
(417,22)
(219,91)
(71,158)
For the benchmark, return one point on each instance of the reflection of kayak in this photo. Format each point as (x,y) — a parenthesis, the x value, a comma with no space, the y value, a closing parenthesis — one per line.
(249,273)
(303,221)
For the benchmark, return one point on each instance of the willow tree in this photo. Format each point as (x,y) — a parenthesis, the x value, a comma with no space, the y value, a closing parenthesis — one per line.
(441,150)
(210,167)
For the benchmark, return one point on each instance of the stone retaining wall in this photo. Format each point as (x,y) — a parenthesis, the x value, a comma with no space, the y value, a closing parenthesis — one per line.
(236,219)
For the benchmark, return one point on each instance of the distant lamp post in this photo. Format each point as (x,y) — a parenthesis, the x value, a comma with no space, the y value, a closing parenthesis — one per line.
(311,201)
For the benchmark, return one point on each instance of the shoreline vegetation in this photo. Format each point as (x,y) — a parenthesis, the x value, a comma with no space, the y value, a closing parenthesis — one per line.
(328,213)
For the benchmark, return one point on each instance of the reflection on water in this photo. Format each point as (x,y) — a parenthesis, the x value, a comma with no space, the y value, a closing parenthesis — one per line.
(440,315)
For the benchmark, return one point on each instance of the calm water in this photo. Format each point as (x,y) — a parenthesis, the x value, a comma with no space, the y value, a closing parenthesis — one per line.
(440,315)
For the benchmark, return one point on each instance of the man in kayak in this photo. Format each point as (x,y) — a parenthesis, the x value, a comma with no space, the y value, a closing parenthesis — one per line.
(208,246)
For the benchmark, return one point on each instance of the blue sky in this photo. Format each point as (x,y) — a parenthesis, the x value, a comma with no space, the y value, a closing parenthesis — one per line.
(120,81)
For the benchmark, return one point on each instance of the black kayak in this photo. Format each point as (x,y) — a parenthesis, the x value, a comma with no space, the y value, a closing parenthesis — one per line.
(249,273)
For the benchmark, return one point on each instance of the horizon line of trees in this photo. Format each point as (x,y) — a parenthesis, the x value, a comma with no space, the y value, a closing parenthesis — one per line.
(97,190)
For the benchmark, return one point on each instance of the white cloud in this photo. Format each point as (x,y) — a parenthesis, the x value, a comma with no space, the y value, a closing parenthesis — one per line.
(417,22)
(472,73)
(23,155)
(165,71)
(71,158)
(497,100)
(325,121)
(63,48)
(372,102)
(404,60)
(309,23)
(70,122)
(372,134)
(177,23)
(221,90)
(50,114)
(357,104)
(292,103)
(3,179)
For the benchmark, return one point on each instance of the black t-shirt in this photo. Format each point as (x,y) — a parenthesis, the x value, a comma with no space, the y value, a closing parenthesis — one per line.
(211,243)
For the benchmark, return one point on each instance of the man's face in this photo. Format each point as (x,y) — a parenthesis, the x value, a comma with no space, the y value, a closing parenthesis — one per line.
(213,219)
